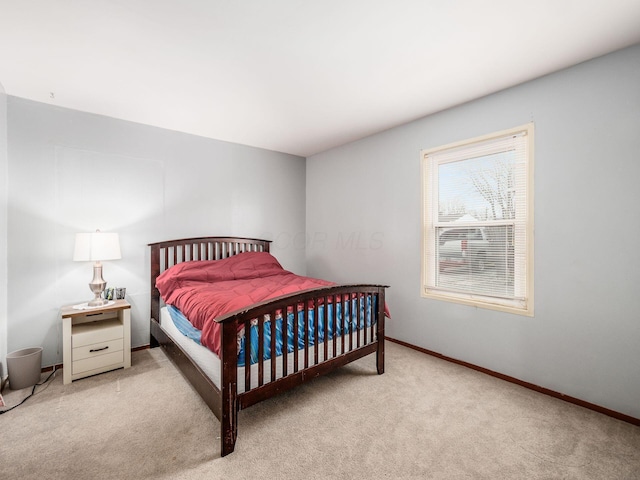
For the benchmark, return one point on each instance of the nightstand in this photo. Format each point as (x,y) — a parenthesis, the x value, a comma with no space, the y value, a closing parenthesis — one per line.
(95,340)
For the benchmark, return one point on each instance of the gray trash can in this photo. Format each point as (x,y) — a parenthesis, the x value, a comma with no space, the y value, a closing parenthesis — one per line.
(24,367)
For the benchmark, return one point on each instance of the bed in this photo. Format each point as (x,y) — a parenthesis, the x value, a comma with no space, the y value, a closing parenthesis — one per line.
(310,332)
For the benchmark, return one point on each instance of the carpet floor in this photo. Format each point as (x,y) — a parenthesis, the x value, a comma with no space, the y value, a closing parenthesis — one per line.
(425,418)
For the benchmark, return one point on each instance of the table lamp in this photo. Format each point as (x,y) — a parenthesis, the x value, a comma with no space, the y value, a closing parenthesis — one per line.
(97,247)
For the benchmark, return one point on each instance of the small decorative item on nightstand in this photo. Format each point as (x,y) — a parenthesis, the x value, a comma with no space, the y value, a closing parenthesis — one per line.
(95,340)
(115,293)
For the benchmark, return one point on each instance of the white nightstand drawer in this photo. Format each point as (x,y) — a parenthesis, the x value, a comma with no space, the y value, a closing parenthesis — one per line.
(96,332)
(91,316)
(97,349)
(94,363)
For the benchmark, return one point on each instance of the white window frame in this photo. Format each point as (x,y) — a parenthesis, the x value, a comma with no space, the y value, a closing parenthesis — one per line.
(523,269)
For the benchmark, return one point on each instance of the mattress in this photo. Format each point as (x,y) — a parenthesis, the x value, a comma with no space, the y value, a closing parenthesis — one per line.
(210,363)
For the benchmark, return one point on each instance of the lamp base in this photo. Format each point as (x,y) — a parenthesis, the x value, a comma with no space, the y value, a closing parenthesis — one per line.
(97,286)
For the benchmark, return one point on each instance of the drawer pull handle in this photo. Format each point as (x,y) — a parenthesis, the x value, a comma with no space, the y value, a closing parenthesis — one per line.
(98,349)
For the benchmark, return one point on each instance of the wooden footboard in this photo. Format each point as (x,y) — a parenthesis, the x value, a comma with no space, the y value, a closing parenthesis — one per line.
(354,314)
(331,326)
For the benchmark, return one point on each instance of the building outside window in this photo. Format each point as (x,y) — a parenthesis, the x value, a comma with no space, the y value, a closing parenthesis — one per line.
(478,221)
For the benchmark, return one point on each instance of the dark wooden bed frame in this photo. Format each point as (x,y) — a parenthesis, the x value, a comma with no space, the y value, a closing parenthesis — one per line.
(226,401)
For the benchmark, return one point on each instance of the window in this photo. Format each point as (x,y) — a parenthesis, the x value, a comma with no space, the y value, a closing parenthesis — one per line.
(478,221)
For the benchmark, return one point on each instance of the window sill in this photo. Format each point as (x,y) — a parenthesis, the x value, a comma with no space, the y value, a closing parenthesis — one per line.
(481,302)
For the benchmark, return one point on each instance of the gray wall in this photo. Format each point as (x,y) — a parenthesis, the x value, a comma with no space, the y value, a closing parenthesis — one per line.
(364,217)
(74,172)
(3,232)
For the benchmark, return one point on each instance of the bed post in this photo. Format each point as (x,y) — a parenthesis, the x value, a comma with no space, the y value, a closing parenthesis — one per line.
(155,294)
(229,388)
(380,351)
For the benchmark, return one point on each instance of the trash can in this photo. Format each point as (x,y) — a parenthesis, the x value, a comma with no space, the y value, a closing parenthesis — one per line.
(24,367)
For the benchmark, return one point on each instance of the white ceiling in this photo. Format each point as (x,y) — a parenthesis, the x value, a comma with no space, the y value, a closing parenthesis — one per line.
(296,76)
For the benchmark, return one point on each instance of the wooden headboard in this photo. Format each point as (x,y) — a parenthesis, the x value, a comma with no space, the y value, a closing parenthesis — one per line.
(169,253)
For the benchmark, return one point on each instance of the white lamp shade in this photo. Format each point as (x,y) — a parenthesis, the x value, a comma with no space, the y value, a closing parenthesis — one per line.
(96,247)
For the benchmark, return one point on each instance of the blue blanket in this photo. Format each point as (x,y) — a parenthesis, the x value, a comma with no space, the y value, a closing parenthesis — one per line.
(342,317)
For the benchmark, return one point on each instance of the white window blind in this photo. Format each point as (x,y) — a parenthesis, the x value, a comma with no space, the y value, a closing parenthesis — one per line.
(477,222)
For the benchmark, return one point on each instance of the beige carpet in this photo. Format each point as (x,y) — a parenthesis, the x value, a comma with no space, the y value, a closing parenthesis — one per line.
(424,418)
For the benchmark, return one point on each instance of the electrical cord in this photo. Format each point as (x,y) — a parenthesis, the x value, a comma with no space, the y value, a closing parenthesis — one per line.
(33,391)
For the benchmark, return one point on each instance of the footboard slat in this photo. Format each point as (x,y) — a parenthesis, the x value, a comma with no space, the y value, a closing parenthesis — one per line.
(334,311)
(349,327)
(372,328)
(273,345)
(316,320)
(260,351)
(295,339)
(326,328)
(247,355)
(343,320)
(285,341)
(358,326)
(306,335)
(367,313)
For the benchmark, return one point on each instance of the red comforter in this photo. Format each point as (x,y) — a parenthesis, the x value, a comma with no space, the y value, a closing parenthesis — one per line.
(206,290)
